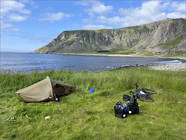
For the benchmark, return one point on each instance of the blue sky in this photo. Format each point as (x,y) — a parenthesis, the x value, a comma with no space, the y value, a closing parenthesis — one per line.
(30,24)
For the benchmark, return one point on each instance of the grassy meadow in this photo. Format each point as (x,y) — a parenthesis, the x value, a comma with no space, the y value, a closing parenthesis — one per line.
(85,116)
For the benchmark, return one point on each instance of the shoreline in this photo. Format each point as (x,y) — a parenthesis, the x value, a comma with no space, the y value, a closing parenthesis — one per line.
(169,67)
(158,67)
(101,54)
(114,55)
(161,67)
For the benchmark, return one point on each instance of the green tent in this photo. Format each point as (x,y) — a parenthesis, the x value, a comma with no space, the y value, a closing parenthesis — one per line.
(44,90)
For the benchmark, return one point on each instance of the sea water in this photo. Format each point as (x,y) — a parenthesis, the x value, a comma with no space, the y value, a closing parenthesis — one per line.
(28,62)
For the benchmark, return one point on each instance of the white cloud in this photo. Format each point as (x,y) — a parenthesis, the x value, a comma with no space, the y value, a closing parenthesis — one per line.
(179,6)
(95,7)
(10,11)
(148,12)
(99,8)
(25,11)
(16,17)
(55,16)
(86,2)
(92,27)
(8,6)
(6,25)
(175,15)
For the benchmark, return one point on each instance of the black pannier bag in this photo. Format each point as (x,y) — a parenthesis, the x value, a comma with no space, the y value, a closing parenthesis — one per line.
(121,110)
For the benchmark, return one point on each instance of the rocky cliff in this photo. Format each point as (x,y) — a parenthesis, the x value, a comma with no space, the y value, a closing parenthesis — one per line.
(165,37)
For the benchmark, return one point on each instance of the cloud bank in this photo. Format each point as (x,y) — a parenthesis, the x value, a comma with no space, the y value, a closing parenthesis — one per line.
(55,16)
(148,11)
(12,11)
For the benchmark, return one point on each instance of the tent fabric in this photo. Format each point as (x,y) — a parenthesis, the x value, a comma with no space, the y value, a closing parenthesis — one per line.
(44,90)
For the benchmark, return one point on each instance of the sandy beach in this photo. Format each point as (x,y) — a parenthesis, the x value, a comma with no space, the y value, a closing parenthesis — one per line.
(119,55)
(101,54)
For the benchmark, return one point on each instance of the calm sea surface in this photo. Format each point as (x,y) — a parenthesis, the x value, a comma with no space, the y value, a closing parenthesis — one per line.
(28,62)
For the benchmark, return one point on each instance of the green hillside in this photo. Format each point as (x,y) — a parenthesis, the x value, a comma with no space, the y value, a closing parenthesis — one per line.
(147,39)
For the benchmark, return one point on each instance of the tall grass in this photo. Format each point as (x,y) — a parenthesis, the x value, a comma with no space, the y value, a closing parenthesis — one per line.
(82,115)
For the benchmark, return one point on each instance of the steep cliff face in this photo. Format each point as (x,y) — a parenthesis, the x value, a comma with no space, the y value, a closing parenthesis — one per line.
(162,37)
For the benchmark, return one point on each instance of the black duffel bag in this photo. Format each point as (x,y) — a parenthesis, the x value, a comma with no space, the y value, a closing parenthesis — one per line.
(121,110)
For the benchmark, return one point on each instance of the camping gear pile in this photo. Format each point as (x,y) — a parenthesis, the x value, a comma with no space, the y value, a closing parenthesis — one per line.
(49,89)
(122,110)
(45,90)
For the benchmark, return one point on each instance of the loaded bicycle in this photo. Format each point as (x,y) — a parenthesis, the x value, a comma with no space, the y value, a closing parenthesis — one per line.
(122,110)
